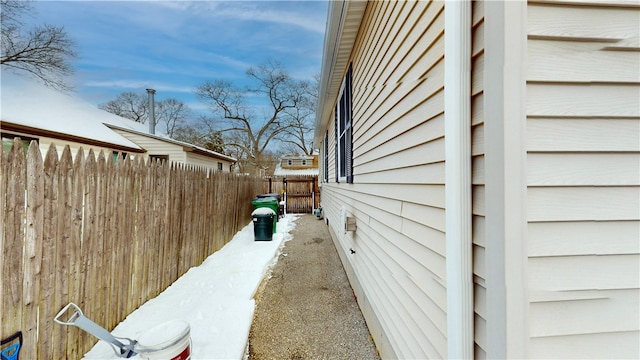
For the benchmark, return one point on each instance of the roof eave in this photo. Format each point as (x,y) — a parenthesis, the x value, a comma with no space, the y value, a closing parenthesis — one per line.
(34,131)
(343,22)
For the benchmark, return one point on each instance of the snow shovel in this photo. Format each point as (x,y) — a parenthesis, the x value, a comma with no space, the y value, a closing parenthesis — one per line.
(123,347)
(11,352)
(171,339)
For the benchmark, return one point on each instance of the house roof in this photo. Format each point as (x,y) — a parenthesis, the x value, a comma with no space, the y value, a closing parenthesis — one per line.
(27,106)
(280,171)
(343,21)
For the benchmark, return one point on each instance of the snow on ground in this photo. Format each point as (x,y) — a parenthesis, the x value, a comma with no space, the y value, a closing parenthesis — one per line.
(215,298)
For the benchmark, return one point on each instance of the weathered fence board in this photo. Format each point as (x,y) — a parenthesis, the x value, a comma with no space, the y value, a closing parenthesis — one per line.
(106,234)
(302,193)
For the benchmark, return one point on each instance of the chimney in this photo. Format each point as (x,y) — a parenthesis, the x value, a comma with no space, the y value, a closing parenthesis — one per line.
(152,115)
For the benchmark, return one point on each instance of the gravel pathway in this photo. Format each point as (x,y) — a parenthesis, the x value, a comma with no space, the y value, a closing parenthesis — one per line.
(307,310)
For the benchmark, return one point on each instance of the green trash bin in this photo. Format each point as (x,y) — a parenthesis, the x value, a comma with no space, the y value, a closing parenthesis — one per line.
(263,224)
(267,202)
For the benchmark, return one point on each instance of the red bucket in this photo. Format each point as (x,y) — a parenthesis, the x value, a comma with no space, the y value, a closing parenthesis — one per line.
(170,340)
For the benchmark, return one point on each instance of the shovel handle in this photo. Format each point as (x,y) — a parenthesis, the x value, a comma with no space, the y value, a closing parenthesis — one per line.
(78,319)
(71,319)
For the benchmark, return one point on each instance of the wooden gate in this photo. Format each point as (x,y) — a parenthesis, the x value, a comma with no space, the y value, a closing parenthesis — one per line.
(302,194)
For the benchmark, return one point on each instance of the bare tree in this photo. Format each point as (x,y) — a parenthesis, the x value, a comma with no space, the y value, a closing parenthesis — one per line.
(298,137)
(243,129)
(128,105)
(199,133)
(172,113)
(44,51)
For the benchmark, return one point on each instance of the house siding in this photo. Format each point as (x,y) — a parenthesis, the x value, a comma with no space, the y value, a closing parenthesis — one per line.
(397,198)
(555,142)
(45,142)
(207,162)
(175,152)
(583,177)
(155,147)
(478,180)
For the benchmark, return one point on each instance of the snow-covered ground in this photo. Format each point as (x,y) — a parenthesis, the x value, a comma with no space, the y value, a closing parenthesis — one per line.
(215,298)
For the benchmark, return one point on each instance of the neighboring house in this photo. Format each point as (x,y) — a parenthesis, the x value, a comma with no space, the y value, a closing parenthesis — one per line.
(33,112)
(167,149)
(300,174)
(489,155)
(292,165)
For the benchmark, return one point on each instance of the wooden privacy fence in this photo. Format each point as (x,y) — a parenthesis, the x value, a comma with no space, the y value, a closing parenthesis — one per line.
(107,235)
(302,193)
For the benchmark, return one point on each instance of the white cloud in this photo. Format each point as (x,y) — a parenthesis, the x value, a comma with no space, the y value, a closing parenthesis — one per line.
(139,84)
(262,11)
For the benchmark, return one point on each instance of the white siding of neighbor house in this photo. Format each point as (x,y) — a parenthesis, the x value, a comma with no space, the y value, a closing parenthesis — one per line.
(155,146)
(478,179)
(207,162)
(397,198)
(45,142)
(583,177)
(175,152)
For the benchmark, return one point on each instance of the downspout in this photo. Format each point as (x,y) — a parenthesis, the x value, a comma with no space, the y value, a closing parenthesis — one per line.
(457,129)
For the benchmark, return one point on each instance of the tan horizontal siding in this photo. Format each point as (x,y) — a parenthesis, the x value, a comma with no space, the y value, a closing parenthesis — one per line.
(430,152)
(583,134)
(423,174)
(401,110)
(558,318)
(478,172)
(477,139)
(583,203)
(580,62)
(584,272)
(583,169)
(578,22)
(618,345)
(479,262)
(477,76)
(404,306)
(412,131)
(477,108)
(478,180)
(583,238)
(431,195)
(397,197)
(583,100)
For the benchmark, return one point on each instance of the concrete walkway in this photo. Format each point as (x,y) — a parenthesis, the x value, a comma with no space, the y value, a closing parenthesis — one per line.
(307,310)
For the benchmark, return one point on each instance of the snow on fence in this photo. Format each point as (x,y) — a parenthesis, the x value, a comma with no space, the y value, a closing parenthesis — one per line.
(107,235)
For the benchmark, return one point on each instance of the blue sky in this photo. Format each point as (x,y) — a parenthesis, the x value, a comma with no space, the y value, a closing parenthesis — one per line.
(172,46)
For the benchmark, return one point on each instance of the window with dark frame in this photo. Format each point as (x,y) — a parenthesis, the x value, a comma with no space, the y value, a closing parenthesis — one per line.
(161,158)
(7,141)
(116,154)
(326,156)
(344,131)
